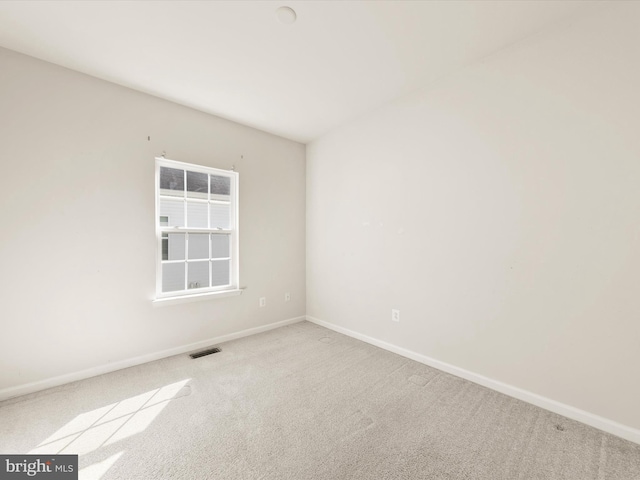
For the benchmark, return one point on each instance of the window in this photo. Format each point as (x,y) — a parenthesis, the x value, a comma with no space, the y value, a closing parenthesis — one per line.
(197,229)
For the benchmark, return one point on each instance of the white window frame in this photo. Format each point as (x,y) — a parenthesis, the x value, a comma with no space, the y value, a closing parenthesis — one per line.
(233,232)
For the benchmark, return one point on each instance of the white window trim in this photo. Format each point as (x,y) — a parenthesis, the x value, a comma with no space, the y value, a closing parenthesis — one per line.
(160,302)
(234,280)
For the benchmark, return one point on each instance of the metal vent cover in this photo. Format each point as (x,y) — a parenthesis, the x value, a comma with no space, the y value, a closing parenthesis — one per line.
(202,353)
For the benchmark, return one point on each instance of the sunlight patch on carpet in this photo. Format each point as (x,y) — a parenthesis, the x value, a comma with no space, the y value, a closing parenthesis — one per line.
(107,425)
(97,470)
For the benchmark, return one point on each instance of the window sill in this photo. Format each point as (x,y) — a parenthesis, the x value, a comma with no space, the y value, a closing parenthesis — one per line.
(161,302)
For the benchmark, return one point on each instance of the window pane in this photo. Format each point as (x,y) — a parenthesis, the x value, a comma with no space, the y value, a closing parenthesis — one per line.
(175,247)
(219,273)
(221,216)
(172,277)
(197,214)
(219,246)
(198,274)
(197,185)
(198,245)
(165,246)
(171,181)
(171,212)
(220,186)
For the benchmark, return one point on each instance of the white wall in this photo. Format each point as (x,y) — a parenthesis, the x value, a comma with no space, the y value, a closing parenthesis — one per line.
(499,210)
(77,250)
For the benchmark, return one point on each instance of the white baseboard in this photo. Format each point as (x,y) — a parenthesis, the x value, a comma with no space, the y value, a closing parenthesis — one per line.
(26,388)
(604,424)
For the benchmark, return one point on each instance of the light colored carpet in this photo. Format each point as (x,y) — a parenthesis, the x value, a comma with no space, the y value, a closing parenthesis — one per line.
(303,402)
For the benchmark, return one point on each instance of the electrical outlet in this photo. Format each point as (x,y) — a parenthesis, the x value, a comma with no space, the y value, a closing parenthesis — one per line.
(287,297)
(395,315)
(263,301)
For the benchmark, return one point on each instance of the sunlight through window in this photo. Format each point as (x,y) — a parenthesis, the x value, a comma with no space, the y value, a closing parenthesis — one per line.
(108,425)
(97,470)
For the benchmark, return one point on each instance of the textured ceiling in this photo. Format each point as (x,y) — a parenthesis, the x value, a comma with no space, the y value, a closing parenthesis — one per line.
(234,59)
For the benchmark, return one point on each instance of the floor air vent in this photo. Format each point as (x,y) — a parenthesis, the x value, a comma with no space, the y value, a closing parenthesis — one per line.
(208,351)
